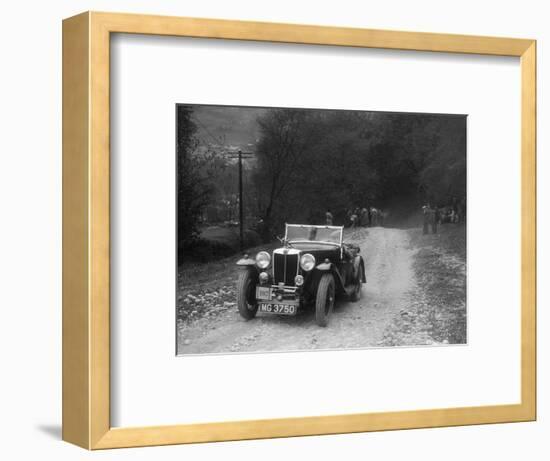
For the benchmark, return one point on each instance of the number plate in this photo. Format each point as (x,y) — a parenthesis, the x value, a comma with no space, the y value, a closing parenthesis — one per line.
(281,309)
(263,293)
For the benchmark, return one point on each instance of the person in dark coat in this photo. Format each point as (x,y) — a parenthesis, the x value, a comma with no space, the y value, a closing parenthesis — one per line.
(328,218)
(430,219)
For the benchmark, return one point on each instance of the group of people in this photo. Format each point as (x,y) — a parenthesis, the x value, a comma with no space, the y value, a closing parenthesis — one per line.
(359,217)
(434,216)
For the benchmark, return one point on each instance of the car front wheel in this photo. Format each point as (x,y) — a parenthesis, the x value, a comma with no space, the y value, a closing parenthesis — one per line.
(356,293)
(246,295)
(324,304)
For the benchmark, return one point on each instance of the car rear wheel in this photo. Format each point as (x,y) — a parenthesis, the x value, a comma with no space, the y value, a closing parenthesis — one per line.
(246,295)
(324,304)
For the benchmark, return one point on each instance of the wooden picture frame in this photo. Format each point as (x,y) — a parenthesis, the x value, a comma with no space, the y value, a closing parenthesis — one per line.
(86,230)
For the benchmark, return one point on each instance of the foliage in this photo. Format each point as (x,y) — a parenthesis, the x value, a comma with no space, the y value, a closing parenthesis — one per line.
(311,161)
(193,190)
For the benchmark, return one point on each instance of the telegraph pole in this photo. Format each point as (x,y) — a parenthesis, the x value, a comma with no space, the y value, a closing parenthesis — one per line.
(240,155)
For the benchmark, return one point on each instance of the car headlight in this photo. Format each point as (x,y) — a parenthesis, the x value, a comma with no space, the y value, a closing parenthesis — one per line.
(307,262)
(263,259)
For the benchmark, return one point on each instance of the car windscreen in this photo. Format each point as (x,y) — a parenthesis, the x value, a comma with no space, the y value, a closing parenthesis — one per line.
(313,234)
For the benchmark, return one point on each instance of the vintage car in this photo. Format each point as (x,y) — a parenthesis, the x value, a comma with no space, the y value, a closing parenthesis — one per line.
(312,268)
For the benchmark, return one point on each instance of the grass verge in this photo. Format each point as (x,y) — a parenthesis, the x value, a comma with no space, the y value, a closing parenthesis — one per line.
(437,314)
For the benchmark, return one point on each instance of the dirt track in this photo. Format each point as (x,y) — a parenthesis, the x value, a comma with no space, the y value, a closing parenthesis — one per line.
(390,283)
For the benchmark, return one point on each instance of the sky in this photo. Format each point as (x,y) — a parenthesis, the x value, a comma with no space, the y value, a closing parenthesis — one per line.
(229,126)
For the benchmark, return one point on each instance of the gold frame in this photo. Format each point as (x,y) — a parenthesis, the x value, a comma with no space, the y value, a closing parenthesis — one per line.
(86,176)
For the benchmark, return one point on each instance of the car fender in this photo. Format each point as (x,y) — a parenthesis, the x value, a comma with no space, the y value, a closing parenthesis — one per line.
(324,266)
(247,264)
(359,265)
(329,267)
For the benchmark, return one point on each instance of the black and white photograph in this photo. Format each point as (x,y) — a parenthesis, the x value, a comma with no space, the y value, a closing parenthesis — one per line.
(319,229)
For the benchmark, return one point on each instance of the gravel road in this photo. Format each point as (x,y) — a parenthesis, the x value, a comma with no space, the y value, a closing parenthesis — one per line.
(390,283)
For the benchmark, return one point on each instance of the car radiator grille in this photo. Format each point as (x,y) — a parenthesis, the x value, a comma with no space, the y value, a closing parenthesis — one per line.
(285,268)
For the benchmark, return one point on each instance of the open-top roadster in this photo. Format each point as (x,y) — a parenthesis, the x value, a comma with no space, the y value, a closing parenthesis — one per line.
(312,267)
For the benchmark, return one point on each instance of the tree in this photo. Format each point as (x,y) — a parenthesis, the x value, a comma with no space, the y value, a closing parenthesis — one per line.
(309,161)
(284,137)
(193,191)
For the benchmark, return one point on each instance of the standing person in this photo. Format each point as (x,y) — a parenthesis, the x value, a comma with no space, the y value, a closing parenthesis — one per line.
(353,219)
(374,216)
(348,216)
(364,217)
(436,220)
(329,217)
(429,216)
(455,206)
